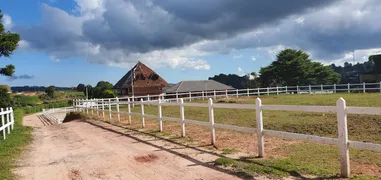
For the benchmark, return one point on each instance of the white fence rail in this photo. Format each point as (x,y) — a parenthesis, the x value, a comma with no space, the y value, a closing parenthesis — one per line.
(310,89)
(7,121)
(340,109)
(56,115)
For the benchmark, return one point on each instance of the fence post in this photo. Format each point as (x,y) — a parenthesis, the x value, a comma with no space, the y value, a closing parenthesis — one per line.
(109,109)
(133,101)
(211,121)
(117,108)
(177,97)
(160,115)
(248,92)
(380,86)
(349,88)
(277,90)
(226,92)
(268,91)
(363,87)
(259,93)
(3,123)
(7,115)
(321,88)
(129,110)
(190,96)
(87,104)
(91,106)
(237,92)
(214,94)
(297,89)
(334,88)
(97,106)
(13,117)
(309,89)
(202,95)
(343,137)
(286,90)
(148,98)
(182,117)
(259,118)
(103,109)
(143,121)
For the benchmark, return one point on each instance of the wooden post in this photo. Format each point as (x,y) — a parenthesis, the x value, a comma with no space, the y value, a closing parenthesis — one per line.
(380,86)
(13,118)
(97,106)
(277,90)
(8,120)
(334,88)
(143,121)
(117,108)
(177,97)
(211,121)
(363,87)
(286,90)
(87,108)
(133,101)
(202,95)
(190,96)
(226,92)
(129,110)
(160,115)
(148,98)
(268,91)
(109,109)
(214,94)
(248,92)
(297,89)
(309,89)
(237,92)
(343,137)
(321,88)
(259,93)
(259,118)
(3,123)
(91,106)
(182,117)
(349,88)
(103,108)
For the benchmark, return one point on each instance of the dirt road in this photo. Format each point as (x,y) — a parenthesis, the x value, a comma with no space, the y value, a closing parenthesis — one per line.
(96,150)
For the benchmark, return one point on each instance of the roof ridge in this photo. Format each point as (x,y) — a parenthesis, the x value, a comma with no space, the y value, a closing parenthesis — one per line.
(181,83)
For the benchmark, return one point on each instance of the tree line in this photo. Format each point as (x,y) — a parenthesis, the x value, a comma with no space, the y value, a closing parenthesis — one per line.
(103,89)
(294,67)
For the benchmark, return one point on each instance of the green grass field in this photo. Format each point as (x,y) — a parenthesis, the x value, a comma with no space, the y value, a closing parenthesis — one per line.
(12,147)
(302,158)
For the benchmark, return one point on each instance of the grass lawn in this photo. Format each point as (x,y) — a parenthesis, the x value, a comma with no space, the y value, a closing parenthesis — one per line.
(301,158)
(11,148)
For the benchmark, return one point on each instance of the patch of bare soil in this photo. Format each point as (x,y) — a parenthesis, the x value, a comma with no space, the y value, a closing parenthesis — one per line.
(75,175)
(146,158)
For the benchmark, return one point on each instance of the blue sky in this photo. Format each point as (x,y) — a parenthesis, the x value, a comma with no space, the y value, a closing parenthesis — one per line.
(66,42)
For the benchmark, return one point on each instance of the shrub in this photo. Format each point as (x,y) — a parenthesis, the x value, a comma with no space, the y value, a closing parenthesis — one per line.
(5,99)
(71,116)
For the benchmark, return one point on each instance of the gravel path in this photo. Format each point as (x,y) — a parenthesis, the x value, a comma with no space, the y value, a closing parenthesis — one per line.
(96,150)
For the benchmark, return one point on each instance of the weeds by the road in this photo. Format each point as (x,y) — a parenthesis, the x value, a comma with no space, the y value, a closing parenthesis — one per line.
(12,147)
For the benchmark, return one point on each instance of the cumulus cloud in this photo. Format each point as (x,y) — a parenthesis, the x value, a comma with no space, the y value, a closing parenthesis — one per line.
(7,22)
(119,32)
(24,76)
(253,58)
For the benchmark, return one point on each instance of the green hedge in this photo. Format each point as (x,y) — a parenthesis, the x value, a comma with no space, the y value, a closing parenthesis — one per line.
(38,108)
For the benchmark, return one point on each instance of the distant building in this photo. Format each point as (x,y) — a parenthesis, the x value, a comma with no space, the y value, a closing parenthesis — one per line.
(143,80)
(197,86)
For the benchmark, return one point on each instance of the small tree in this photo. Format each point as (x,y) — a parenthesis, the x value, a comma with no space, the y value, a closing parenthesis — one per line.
(81,88)
(5,99)
(50,91)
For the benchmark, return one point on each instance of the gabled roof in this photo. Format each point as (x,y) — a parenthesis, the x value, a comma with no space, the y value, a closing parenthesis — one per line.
(197,86)
(143,77)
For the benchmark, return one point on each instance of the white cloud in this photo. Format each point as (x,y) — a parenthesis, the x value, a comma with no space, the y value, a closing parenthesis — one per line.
(7,22)
(253,58)
(240,71)
(237,56)
(53,58)
(299,20)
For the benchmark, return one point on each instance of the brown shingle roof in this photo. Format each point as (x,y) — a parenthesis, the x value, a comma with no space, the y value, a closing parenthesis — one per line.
(144,77)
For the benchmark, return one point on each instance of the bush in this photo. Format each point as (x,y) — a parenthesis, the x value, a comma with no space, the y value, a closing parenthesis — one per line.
(71,116)
(5,99)
(21,100)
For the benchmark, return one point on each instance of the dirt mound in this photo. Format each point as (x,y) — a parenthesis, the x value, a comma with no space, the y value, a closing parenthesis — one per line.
(71,116)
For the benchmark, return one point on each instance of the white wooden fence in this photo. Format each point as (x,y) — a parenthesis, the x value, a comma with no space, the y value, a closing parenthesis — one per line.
(310,89)
(105,106)
(7,121)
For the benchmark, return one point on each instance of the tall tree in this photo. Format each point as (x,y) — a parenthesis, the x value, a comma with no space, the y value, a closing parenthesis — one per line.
(81,88)
(376,59)
(8,43)
(294,67)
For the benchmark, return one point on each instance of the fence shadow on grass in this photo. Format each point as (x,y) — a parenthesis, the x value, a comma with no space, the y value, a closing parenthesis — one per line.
(196,162)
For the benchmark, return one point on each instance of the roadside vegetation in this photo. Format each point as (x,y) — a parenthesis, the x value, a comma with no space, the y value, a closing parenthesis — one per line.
(13,146)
